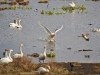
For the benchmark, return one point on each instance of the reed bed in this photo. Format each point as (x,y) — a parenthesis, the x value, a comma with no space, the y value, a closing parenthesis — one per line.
(26,66)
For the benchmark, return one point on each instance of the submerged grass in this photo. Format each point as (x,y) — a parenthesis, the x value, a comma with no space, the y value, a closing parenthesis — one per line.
(78,7)
(64,10)
(51,54)
(14,5)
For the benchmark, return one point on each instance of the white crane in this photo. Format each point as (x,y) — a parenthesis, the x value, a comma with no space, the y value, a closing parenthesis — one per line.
(19,55)
(7,59)
(51,35)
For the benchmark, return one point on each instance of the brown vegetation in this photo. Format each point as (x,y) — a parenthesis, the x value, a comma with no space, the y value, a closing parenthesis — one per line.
(95,0)
(3,2)
(25,66)
(23,2)
(2,9)
(14,2)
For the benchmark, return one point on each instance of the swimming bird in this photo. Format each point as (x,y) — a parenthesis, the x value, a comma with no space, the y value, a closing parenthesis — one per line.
(43,1)
(85,36)
(14,24)
(43,69)
(69,48)
(36,10)
(19,25)
(33,55)
(96,30)
(51,36)
(72,4)
(7,59)
(19,55)
(52,49)
(42,56)
(87,56)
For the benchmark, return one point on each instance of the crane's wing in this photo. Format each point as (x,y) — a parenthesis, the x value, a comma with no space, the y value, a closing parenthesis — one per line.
(59,29)
(87,33)
(45,28)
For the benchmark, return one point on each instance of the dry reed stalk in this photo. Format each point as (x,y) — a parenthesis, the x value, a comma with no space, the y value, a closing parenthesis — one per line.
(25,64)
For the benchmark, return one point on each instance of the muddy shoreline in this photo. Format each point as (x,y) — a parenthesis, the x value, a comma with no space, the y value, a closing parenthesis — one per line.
(83,68)
(25,66)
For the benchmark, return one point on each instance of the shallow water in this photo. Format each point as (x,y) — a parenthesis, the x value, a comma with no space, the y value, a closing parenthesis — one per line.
(74,25)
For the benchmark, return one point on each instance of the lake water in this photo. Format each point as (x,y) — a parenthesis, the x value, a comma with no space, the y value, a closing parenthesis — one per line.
(74,24)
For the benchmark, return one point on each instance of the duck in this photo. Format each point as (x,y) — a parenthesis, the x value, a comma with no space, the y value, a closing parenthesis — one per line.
(19,25)
(14,24)
(7,59)
(36,10)
(51,36)
(87,56)
(33,55)
(45,69)
(69,48)
(96,30)
(85,36)
(42,56)
(43,1)
(52,49)
(72,4)
(19,55)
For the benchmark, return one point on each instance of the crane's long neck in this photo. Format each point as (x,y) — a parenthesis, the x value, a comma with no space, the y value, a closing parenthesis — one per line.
(19,22)
(16,22)
(45,51)
(20,49)
(10,55)
(6,54)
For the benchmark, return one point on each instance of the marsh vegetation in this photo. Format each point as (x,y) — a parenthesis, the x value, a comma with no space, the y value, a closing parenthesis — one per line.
(26,66)
(14,5)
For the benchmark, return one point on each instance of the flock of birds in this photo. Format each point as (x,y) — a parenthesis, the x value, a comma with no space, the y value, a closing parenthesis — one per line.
(42,56)
(16,24)
(7,59)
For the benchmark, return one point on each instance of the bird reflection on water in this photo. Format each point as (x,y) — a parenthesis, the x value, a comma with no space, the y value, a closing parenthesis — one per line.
(51,46)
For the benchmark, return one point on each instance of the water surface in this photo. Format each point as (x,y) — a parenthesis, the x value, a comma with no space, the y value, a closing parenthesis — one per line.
(74,25)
